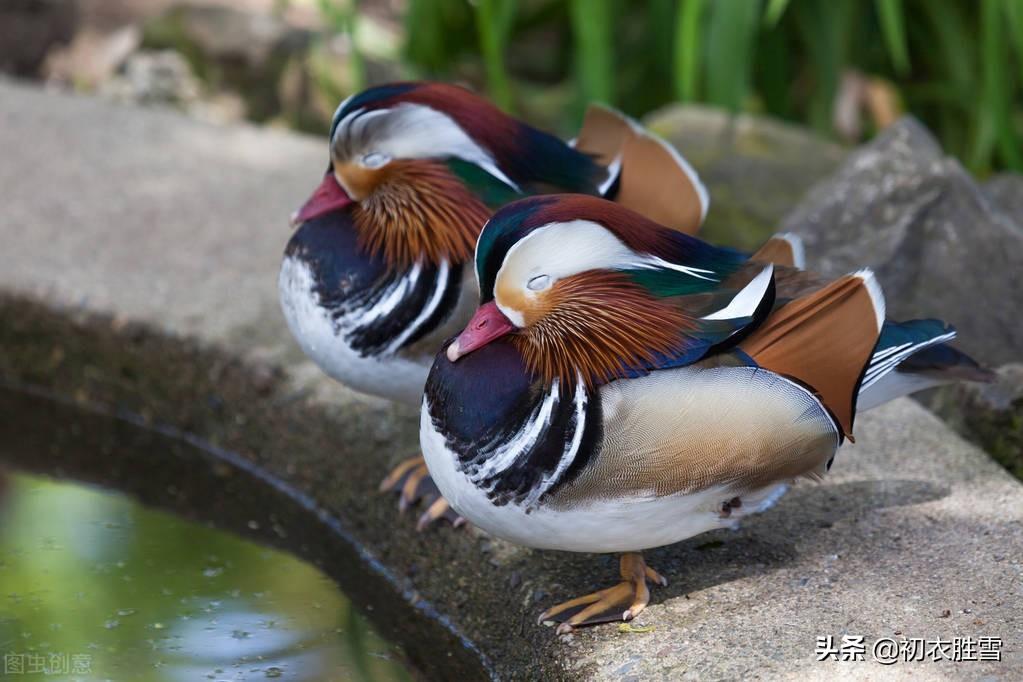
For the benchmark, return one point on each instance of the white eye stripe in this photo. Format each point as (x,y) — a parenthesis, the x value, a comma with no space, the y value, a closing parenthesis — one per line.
(538,283)
(410,131)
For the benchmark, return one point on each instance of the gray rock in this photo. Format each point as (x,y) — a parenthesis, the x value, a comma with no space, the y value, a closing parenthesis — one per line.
(225,33)
(1005,191)
(940,247)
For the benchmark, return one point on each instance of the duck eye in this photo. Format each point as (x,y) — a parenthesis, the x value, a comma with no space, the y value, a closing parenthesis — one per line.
(538,283)
(375,159)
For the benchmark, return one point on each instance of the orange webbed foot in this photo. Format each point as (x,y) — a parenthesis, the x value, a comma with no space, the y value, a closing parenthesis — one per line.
(623,601)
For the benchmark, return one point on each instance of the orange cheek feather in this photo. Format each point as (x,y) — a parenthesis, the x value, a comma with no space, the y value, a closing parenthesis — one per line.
(359,181)
(595,323)
(415,209)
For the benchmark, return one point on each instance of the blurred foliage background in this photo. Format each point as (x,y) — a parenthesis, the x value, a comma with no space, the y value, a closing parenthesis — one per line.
(844,67)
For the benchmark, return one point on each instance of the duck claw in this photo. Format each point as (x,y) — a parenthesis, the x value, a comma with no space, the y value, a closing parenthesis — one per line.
(606,606)
(411,480)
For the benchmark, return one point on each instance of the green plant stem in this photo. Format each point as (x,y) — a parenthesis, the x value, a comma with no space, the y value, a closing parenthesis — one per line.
(591,32)
(491,22)
(687,49)
(893,29)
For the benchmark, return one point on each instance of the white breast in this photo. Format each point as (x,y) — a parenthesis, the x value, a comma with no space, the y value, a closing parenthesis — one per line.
(391,376)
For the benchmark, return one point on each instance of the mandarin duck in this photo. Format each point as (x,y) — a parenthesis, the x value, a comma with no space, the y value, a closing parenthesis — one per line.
(375,279)
(624,386)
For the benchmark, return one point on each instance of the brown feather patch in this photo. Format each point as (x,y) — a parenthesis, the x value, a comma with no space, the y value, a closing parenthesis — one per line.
(419,209)
(652,182)
(776,250)
(824,340)
(598,323)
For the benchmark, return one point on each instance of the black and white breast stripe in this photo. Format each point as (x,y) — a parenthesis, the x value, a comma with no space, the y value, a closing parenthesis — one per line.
(525,463)
(398,311)
(517,442)
(374,310)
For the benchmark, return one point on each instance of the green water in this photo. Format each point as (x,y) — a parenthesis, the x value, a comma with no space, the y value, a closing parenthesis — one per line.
(94,586)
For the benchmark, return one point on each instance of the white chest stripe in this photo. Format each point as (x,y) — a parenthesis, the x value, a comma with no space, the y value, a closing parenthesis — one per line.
(506,455)
(426,312)
(573,448)
(388,302)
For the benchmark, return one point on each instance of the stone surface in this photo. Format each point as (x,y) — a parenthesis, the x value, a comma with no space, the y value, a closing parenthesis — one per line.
(940,247)
(755,169)
(989,414)
(1005,191)
(138,274)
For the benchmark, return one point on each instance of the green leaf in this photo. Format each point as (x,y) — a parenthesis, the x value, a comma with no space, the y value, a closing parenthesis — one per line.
(687,48)
(893,30)
(592,36)
(493,20)
(828,30)
(995,125)
(1014,24)
(952,34)
(731,36)
(775,8)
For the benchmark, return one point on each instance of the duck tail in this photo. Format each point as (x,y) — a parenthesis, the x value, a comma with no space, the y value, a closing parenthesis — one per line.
(912,356)
(644,172)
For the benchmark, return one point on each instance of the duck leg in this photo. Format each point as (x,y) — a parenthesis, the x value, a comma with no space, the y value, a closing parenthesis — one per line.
(411,480)
(623,601)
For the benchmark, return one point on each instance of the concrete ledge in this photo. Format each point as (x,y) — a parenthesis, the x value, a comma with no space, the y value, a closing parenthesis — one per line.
(138,275)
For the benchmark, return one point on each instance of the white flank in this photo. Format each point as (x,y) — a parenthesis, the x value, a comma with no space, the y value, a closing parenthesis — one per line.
(615,522)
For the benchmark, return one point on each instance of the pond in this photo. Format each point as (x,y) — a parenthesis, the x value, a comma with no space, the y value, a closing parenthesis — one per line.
(94,586)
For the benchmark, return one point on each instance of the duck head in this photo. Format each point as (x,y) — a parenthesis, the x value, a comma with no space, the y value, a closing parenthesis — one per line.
(424,165)
(591,290)
(396,152)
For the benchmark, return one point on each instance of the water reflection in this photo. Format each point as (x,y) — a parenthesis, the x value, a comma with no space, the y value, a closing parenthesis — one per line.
(95,587)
